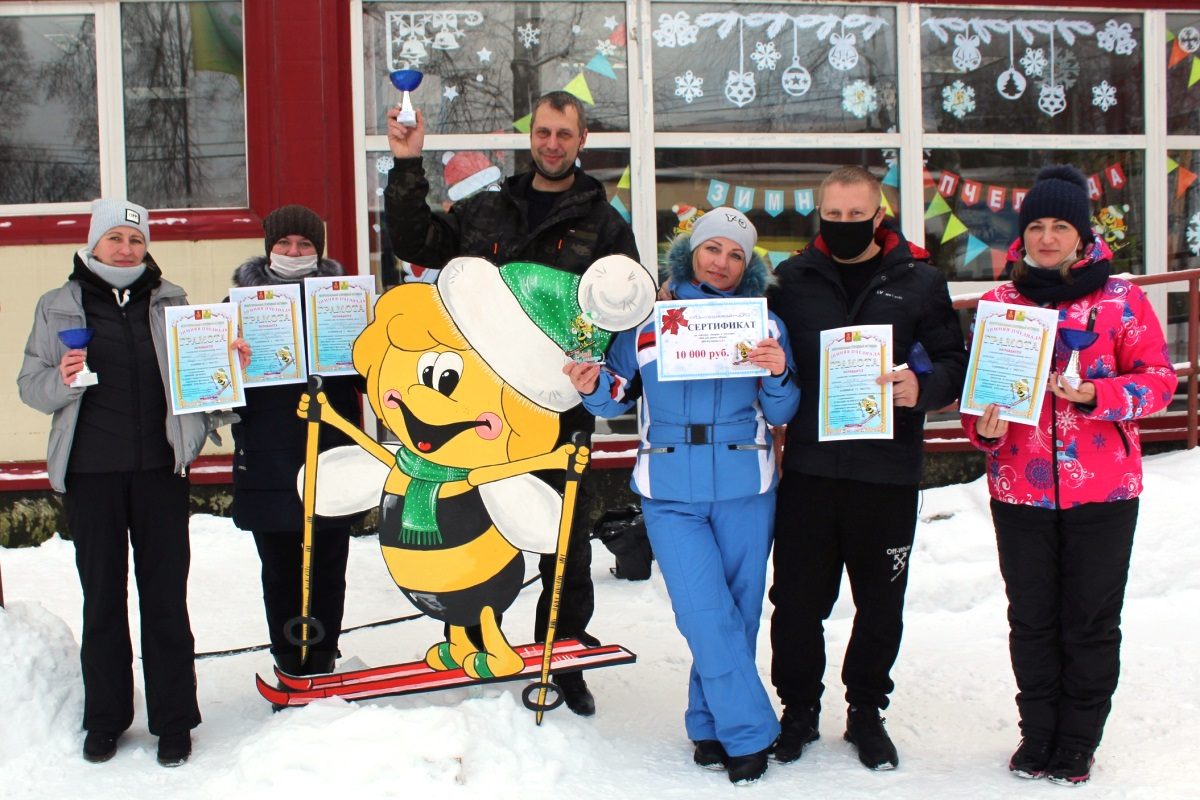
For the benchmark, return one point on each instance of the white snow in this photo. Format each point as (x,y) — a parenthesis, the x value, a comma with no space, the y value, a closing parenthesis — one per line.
(952,714)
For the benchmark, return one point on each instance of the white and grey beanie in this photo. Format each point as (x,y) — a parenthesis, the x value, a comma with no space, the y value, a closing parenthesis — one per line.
(108,214)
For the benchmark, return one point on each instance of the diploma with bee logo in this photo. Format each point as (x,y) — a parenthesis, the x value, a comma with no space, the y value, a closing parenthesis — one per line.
(852,404)
(270,321)
(1011,355)
(709,338)
(200,361)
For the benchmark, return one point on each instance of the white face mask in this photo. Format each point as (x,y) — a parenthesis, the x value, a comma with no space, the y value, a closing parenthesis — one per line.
(289,267)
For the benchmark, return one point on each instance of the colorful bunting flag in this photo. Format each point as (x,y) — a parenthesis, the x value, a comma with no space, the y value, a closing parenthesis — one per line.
(717,192)
(804,201)
(937,207)
(743,198)
(1186,179)
(625,181)
(972,191)
(995,198)
(974,248)
(947,183)
(893,176)
(1172,165)
(1177,54)
(600,65)
(621,209)
(954,228)
(773,202)
(617,37)
(578,87)
(1195,76)
(524,123)
(999,260)
(887,206)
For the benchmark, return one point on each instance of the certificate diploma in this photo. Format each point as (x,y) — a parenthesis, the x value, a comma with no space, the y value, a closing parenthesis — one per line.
(338,310)
(200,364)
(270,322)
(709,338)
(1010,360)
(852,405)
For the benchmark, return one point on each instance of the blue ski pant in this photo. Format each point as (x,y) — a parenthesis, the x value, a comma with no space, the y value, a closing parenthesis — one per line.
(713,557)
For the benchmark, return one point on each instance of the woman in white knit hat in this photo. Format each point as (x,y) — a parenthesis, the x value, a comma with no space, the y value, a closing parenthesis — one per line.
(120,459)
(706,473)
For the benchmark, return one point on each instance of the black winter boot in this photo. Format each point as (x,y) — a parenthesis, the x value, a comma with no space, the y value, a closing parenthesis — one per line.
(799,728)
(575,693)
(1070,767)
(710,754)
(1031,758)
(864,730)
(174,748)
(744,770)
(99,746)
(320,662)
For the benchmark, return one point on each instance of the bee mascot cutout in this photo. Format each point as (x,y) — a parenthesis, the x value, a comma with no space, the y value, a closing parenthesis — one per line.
(467,373)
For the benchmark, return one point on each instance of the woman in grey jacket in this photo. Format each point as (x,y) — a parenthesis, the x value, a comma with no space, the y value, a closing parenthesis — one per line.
(120,459)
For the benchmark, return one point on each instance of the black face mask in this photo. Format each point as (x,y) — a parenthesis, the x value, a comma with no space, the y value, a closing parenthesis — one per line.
(847,240)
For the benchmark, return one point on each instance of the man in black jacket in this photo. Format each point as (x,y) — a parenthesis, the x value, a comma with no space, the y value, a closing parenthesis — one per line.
(554,214)
(853,504)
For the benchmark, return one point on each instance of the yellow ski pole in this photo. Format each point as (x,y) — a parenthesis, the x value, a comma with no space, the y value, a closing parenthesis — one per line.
(311,451)
(575,467)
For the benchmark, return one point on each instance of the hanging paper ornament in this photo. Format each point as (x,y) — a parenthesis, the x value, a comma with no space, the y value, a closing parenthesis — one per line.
(843,56)
(740,88)
(966,56)
(1010,84)
(1034,62)
(796,80)
(765,56)
(1193,234)
(1052,99)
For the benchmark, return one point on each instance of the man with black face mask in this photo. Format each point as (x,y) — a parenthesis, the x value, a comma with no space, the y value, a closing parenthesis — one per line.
(853,504)
(553,214)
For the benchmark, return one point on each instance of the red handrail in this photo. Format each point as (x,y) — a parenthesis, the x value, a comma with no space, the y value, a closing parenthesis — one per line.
(1190,370)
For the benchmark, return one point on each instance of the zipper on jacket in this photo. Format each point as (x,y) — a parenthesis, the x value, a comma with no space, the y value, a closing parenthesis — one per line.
(1057,444)
(137,382)
(1124,438)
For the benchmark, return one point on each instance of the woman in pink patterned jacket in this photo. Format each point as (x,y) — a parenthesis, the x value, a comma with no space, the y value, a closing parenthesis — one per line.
(1065,492)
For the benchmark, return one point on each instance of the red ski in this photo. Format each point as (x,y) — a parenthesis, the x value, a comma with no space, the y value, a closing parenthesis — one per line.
(568,655)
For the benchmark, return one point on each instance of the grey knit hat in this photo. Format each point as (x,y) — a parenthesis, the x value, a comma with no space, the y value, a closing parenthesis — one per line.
(728,223)
(294,220)
(109,214)
(1060,192)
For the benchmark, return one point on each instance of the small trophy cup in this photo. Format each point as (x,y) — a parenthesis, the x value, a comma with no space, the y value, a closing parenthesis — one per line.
(77,339)
(1075,340)
(406,80)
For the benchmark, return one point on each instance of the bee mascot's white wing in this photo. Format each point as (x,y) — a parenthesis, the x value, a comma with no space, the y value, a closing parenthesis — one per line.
(526,512)
(349,480)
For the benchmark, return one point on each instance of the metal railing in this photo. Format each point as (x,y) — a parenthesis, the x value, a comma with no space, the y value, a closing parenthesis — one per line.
(1190,369)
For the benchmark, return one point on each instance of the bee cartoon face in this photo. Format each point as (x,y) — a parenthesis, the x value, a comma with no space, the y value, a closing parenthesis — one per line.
(435,392)
(284,354)
(1020,389)
(743,351)
(868,406)
(221,379)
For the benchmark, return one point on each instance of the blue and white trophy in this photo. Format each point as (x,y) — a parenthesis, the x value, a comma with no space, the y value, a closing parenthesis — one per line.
(78,339)
(406,80)
(1075,341)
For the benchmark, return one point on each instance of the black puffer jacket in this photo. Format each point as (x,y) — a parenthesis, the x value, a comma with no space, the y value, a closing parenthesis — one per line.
(269,441)
(582,228)
(906,293)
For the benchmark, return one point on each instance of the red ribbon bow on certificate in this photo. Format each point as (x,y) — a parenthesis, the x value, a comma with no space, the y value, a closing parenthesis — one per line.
(673,319)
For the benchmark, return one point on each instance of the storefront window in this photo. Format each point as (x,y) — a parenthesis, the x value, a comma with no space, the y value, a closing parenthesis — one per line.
(185,128)
(454,176)
(484,64)
(49,142)
(972,198)
(1183,73)
(792,68)
(1038,71)
(777,189)
(1183,210)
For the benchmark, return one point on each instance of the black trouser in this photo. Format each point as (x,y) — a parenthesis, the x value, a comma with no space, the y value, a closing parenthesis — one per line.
(106,513)
(821,525)
(1064,573)
(578,598)
(282,556)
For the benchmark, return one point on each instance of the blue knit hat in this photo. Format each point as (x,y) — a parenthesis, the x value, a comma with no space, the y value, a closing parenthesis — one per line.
(1060,192)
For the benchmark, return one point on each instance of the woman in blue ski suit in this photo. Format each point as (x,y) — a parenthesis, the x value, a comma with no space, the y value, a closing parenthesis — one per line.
(706,472)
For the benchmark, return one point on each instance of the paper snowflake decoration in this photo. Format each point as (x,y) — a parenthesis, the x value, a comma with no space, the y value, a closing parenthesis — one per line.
(605,48)
(688,86)
(1193,234)
(1116,37)
(860,98)
(958,99)
(1034,62)
(765,55)
(1104,96)
(528,35)
(675,31)
(384,164)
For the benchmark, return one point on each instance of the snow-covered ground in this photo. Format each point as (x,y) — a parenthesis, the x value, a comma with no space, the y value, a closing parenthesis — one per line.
(952,714)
